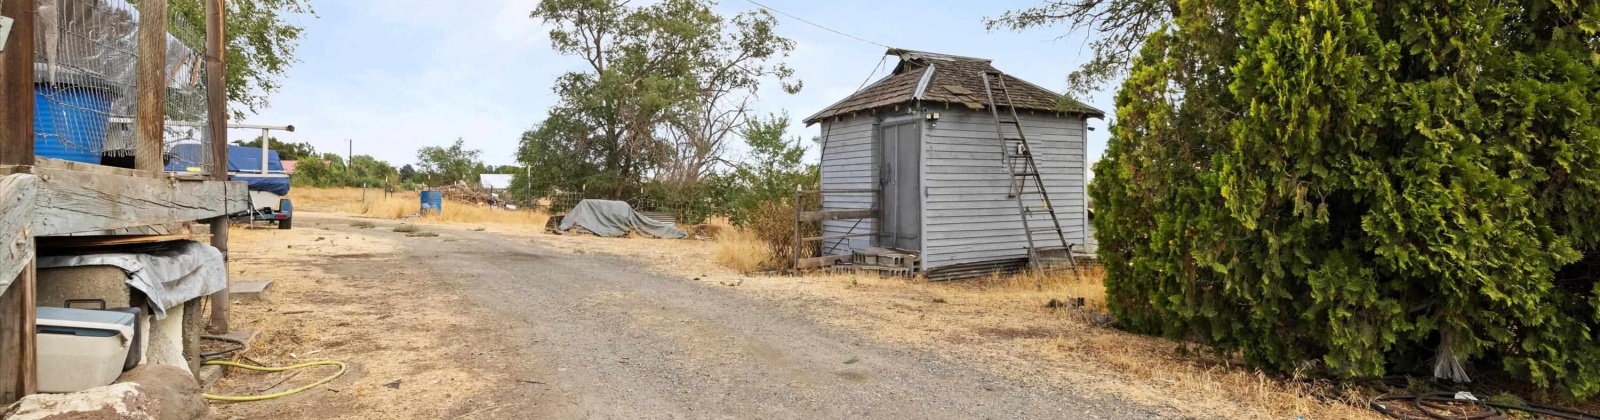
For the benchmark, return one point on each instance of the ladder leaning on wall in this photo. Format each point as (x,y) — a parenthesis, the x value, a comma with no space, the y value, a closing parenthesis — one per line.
(1025,175)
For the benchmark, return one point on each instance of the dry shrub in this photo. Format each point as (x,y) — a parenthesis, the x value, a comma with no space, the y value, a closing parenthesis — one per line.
(742,251)
(773,224)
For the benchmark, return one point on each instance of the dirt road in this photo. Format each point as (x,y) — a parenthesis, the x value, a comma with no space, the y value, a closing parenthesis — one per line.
(595,336)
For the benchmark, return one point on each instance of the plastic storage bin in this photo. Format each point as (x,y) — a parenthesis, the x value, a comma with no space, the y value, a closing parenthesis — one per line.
(80,348)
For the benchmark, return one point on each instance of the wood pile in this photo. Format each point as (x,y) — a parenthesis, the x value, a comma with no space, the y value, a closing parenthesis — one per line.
(465,193)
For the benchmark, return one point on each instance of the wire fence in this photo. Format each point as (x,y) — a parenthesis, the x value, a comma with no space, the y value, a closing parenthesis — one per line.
(86,79)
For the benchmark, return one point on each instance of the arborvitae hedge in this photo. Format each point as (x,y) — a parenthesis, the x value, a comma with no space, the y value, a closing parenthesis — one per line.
(1364,187)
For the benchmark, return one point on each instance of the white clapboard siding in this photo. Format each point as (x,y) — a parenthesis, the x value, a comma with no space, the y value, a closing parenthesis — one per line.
(967,215)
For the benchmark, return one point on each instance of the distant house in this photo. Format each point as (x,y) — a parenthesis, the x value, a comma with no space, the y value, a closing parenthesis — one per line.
(497,182)
(924,139)
(289,166)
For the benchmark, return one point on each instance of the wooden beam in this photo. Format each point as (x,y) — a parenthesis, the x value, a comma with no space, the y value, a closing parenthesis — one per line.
(76,202)
(817,216)
(217,115)
(149,140)
(18,193)
(16,85)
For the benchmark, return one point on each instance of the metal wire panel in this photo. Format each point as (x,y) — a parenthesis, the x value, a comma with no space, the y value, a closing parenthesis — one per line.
(85,80)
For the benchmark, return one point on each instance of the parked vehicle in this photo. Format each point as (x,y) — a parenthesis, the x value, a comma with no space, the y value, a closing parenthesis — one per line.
(269,184)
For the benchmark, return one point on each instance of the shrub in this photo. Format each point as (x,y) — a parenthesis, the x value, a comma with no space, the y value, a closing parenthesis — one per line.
(772,223)
(1378,190)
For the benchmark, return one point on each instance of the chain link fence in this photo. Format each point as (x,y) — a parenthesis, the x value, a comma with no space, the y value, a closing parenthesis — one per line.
(86,79)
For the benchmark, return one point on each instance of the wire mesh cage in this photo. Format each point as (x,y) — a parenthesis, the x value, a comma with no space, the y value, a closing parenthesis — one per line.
(86,79)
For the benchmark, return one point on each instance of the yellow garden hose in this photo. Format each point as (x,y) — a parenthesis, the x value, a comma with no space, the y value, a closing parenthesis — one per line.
(247,398)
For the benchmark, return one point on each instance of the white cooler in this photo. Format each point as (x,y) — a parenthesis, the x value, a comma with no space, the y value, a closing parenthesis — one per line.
(81,349)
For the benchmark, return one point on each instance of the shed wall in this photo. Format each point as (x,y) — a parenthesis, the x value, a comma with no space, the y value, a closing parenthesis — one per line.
(847,163)
(967,214)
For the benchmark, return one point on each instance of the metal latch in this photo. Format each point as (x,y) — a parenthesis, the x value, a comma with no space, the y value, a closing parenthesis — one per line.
(5,32)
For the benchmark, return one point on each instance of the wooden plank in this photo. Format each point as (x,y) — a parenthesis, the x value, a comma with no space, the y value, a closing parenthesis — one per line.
(73,202)
(68,165)
(818,262)
(817,216)
(151,87)
(836,237)
(18,350)
(59,242)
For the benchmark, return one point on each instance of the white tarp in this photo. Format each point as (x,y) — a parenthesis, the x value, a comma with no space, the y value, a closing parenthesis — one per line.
(168,276)
(616,218)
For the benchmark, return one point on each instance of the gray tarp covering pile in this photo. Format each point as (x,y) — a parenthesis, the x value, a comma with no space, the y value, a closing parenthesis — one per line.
(616,218)
(169,276)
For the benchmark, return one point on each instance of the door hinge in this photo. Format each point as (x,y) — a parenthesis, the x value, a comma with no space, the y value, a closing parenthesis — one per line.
(5,32)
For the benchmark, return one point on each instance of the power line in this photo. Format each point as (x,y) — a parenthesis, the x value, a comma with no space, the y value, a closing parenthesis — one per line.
(763,6)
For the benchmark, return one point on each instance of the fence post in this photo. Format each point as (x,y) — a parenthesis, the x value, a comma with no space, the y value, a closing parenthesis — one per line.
(795,250)
(217,117)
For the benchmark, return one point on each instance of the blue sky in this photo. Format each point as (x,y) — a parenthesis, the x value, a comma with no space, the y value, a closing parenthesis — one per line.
(397,75)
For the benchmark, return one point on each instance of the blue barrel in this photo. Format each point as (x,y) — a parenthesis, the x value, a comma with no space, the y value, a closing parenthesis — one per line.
(432,202)
(70,121)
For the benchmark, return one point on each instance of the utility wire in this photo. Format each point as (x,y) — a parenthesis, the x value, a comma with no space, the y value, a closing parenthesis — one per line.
(763,6)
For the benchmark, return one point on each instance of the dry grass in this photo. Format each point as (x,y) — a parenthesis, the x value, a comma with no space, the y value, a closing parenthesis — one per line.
(1063,284)
(742,251)
(406,204)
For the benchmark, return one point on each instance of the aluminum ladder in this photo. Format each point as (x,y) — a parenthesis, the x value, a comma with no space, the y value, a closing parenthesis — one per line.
(1018,160)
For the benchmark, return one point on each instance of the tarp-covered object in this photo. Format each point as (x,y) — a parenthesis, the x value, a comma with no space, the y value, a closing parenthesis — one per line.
(169,276)
(616,218)
(244,163)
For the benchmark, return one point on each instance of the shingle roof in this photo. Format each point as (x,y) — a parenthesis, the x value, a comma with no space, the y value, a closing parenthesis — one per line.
(949,79)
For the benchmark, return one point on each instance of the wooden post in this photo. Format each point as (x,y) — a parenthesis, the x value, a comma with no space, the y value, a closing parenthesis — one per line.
(149,141)
(16,85)
(795,250)
(18,368)
(18,351)
(217,117)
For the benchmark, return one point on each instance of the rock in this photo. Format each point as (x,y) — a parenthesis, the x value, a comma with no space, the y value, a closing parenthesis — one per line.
(111,402)
(173,388)
(148,392)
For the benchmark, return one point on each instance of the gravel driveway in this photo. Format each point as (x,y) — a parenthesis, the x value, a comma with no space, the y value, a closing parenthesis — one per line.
(599,336)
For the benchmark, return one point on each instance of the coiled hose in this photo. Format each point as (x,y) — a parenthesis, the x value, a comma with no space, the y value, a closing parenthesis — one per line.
(302,388)
(245,347)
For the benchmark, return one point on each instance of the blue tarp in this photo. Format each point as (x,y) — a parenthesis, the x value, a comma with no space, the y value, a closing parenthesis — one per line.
(244,163)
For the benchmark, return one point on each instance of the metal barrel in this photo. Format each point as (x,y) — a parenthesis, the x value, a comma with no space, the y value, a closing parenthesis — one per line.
(432,202)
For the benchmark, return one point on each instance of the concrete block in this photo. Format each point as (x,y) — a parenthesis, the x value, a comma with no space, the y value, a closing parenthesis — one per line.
(95,282)
(249,291)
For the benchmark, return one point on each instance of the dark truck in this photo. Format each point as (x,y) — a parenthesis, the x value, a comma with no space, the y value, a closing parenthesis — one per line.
(268,186)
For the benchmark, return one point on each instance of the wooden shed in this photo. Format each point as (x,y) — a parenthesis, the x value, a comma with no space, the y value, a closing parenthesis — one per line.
(942,169)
